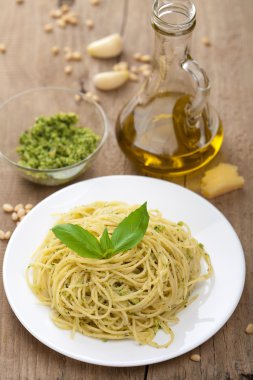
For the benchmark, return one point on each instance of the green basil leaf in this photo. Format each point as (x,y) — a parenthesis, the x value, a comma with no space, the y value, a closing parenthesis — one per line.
(131,230)
(79,240)
(105,241)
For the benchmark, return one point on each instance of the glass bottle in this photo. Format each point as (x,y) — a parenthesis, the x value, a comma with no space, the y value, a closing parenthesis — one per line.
(169,128)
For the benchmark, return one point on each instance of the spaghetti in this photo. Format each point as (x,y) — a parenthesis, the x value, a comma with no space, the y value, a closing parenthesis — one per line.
(128,296)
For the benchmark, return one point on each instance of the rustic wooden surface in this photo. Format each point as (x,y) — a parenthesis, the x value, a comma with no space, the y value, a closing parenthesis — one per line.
(228,61)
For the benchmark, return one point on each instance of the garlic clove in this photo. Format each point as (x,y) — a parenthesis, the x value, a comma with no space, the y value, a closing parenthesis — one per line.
(110,80)
(107,47)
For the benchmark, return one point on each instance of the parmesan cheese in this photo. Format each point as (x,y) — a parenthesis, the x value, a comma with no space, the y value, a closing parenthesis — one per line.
(220,180)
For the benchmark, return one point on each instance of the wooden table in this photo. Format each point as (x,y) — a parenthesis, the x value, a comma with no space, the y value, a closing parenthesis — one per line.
(28,62)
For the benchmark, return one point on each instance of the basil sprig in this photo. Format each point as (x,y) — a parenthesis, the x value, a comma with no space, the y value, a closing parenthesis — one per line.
(127,235)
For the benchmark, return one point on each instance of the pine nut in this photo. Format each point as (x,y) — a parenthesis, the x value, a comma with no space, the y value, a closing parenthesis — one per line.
(2,234)
(78,98)
(65,8)
(89,23)
(120,66)
(68,56)
(48,28)
(195,358)
(96,98)
(55,13)
(28,206)
(14,216)
(137,56)
(133,77)
(73,20)
(7,207)
(249,329)
(18,206)
(134,69)
(2,48)
(19,2)
(145,58)
(68,69)
(61,23)
(7,235)
(21,212)
(205,41)
(76,56)
(55,50)
(146,73)
(95,2)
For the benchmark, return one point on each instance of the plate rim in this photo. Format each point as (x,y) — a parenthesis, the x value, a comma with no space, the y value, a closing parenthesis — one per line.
(139,362)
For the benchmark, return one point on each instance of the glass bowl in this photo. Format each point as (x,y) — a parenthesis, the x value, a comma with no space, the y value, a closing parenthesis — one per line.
(19,113)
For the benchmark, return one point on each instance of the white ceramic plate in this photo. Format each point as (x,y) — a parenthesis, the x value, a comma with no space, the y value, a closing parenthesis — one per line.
(217,299)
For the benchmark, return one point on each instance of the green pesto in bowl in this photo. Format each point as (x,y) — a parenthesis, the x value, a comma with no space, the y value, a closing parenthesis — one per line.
(56,142)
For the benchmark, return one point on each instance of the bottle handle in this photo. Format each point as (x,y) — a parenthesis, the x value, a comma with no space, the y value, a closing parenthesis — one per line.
(194,109)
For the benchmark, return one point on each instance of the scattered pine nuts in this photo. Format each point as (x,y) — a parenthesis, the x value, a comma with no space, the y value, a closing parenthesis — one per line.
(14,216)
(195,358)
(18,206)
(120,66)
(133,77)
(146,73)
(7,235)
(205,41)
(55,13)
(95,2)
(55,50)
(28,206)
(68,56)
(2,235)
(145,58)
(48,28)
(144,67)
(7,207)
(2,48)
(134,69)
(94,97)
(89,23)
(65,8)
(78,98)
(68,69)
(72,20)
(137,56)
(61,23)
(21,212)
(249,329)
(76,56)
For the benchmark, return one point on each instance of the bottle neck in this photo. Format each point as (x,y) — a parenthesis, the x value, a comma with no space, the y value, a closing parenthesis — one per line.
(174,17)
(172,48)
(173,22)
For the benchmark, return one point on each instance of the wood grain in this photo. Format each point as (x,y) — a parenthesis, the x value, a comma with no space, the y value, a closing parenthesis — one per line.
(228,61)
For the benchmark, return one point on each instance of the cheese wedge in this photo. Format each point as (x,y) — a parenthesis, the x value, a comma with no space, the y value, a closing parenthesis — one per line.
(220,180)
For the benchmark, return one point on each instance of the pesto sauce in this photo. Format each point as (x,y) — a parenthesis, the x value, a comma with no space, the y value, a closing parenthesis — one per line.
(55,142)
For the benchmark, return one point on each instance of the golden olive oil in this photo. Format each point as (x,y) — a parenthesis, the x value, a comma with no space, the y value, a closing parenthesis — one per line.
(156,137)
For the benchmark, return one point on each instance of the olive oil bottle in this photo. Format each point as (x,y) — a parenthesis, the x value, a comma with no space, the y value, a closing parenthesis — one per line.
(169,128)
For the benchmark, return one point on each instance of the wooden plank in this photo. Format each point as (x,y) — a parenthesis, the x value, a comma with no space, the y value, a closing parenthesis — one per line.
(228,25)
(28,62)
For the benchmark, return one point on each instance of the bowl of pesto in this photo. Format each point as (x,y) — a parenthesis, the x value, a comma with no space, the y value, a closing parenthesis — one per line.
(50,135)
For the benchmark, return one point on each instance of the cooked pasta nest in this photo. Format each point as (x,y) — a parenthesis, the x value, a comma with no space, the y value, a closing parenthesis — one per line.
(128,296)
